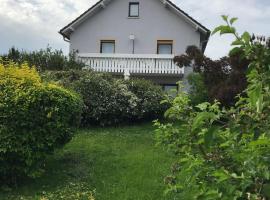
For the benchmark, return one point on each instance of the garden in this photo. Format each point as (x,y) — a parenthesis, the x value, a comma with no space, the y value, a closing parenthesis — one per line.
(67,133)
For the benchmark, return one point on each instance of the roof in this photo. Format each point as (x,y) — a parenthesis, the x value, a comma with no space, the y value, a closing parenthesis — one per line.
(68,29)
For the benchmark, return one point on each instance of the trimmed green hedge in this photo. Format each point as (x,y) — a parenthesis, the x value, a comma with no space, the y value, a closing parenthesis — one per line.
(35,118)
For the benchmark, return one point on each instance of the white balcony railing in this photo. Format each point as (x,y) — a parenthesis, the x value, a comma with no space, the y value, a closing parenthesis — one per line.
(133,63)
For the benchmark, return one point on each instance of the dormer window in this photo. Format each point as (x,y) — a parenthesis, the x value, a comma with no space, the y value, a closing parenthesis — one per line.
(133,9)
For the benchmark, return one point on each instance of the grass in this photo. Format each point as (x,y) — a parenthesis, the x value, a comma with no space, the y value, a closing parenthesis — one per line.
(116,163)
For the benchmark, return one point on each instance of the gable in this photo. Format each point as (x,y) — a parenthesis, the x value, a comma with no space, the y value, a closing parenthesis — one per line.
(165,5)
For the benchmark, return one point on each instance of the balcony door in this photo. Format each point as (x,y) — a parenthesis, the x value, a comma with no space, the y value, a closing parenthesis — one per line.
(164,47)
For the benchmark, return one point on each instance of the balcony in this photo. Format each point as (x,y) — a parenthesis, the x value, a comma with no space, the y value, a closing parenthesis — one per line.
(144,64)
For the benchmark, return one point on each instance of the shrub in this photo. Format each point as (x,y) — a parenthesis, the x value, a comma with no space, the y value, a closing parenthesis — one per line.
(109,101)
(150,97)
(198,91)
(35,118)
(224,153)
(106,102)
(44,59)
(224,78)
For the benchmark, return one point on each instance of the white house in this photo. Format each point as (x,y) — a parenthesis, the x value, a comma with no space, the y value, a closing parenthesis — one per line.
(135,37)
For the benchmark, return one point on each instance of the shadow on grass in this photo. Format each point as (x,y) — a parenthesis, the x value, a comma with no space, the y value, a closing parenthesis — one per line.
(117,163)
(67,173)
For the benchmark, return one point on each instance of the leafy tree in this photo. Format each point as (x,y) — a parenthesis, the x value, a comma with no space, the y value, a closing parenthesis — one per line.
(223,78)
(224,153)
(44,59)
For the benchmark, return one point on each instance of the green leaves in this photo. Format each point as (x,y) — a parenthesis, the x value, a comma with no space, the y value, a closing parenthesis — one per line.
(235,51)
(202,119)
(229,21)
(228,28)
(246,37)
(237,42)
(224,30)
(36,118)
(227,152)
(255,94)
(225,17)
(233,20)
(210,135)
(221,175)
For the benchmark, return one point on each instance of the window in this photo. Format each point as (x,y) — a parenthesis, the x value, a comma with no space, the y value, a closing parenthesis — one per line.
(164,46)
(133,9)
(171,89)
(107,46)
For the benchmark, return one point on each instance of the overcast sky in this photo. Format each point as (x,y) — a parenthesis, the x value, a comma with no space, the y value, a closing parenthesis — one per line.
(33,24)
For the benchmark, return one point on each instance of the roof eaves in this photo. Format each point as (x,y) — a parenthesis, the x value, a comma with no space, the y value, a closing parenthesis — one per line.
(188,16)
(99,2)
(78,18)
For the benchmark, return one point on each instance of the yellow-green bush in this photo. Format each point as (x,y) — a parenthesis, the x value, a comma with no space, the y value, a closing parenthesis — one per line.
(35,118)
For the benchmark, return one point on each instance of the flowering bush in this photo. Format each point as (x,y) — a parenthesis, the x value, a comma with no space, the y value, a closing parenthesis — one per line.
(149,96)
(109,101)
(35,118)
(106,102)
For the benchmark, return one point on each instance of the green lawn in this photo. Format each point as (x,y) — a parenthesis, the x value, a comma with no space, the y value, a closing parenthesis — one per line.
(116,163)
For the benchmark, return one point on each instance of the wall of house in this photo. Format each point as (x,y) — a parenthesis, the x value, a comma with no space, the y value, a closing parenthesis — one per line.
(155,23)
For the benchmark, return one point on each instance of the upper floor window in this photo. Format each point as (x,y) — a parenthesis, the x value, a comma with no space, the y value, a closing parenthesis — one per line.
(164,47)
(107,46)
(133,9)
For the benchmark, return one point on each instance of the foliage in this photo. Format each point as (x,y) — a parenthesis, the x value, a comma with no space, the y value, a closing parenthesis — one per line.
(44,59)
(109,101)
(198,91)
(224,78)
(103,160)
(35,118)
(72,191)
(224,154)
(106,102)
(149,99)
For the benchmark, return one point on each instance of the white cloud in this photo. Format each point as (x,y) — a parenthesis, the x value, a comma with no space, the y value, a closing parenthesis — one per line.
(32,24)
(254,15)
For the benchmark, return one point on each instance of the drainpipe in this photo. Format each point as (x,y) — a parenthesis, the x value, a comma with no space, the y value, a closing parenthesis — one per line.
(132,46)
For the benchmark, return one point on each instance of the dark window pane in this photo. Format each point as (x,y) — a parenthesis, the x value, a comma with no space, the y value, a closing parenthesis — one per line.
(134,9)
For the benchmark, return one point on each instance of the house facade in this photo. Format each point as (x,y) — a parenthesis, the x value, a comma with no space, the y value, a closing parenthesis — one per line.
(138,38)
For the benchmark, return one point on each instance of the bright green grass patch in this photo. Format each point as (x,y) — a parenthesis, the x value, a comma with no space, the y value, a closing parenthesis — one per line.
(114,163)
